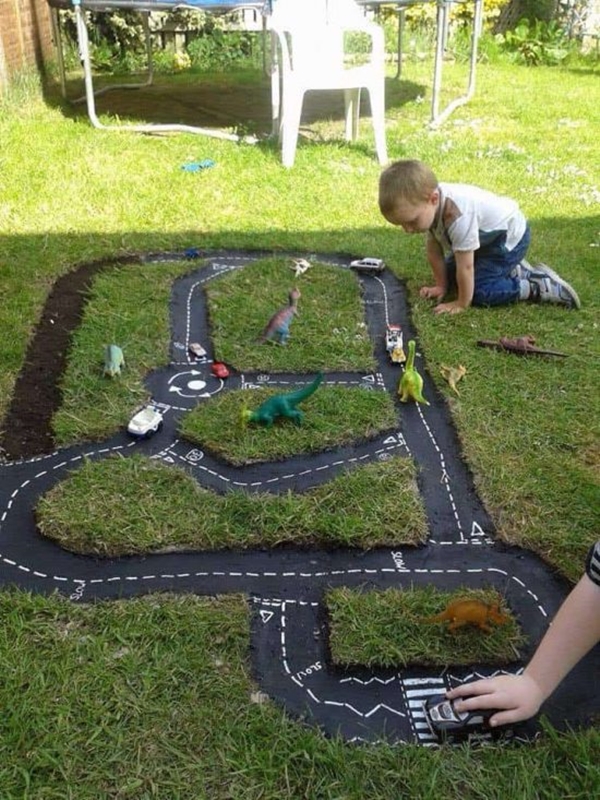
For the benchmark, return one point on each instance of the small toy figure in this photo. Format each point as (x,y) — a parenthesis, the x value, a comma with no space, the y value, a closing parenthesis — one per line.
(411,383)
(113,360)
(368,264)
(521,345)
(146,422)
(196,350)
(197,166)
(300,266)
(394,344)
(470,612)
(219,370)
(448,724)
(453,375)
(278,327)
(282,405)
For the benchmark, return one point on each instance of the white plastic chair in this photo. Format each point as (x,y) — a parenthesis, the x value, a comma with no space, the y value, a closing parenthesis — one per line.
(308,54)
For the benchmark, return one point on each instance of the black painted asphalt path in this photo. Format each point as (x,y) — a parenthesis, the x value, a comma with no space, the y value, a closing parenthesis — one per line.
(286,587)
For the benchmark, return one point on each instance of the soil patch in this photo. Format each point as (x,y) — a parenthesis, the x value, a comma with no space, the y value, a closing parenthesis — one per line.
(27,428)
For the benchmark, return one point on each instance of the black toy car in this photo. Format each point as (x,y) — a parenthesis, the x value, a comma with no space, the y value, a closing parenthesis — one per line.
(446,722)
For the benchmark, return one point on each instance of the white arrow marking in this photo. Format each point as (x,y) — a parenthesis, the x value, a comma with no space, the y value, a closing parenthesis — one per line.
(187,372)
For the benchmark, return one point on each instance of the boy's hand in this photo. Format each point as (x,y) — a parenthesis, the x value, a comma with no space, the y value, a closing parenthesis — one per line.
(515,697)
(449,308)
(432,292)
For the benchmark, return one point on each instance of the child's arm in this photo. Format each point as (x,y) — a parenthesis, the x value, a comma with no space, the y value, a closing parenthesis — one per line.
(465,282)
(574,631)
(435,256)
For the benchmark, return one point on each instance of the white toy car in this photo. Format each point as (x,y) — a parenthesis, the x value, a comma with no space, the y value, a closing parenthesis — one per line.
(145,422)
(394,344)
(196,350)
(368,265)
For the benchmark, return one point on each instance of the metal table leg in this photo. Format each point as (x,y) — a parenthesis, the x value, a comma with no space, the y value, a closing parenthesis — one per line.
(438,117)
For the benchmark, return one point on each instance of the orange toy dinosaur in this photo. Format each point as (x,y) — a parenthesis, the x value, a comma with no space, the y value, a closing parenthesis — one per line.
(470,612)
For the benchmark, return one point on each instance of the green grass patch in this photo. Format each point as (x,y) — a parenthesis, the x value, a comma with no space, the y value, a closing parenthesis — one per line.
(152,698)
(329,331)
(529,429)
(391,628)
(529,426)
(333,416)
(122,506)
(129,306)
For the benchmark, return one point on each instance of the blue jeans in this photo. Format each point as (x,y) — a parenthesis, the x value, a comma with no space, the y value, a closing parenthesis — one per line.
(494,285)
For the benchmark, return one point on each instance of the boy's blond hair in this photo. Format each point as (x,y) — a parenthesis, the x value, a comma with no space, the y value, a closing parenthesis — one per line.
(409,180)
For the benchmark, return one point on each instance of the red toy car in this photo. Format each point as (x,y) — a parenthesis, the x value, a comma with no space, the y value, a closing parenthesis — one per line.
(219,370)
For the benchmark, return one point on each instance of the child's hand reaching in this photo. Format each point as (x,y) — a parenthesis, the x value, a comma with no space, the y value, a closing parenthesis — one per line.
(449,308)
(432,292)
(517,697)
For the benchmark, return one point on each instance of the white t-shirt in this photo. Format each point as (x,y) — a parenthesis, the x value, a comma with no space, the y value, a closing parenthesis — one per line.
(469,217)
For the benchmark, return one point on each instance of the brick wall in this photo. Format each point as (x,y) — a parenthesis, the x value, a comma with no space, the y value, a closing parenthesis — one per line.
(25,37)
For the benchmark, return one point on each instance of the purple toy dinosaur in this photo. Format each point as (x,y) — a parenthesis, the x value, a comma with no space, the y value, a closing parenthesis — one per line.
(278,327)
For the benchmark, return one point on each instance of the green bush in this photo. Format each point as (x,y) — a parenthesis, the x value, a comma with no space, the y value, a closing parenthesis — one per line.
(424,14)
(117,42)
(216,49)
(536,43)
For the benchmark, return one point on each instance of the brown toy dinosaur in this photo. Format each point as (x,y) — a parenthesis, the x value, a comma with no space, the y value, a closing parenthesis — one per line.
(278,327)
(453,375)
(521,345)
(470,612)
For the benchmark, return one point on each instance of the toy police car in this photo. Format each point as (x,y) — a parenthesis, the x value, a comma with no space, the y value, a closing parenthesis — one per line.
(394,343)
(445,721)
(368,265)
(145,422)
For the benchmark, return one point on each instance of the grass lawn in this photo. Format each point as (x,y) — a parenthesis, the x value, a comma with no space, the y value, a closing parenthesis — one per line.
(391,627)
(96,511)
(152,698)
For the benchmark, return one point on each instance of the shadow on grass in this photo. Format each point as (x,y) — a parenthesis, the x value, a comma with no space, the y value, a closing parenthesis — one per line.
(241,101)
(26,428)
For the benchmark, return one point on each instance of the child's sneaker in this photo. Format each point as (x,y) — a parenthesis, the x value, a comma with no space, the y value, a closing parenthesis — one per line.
(546,286)
(522,271)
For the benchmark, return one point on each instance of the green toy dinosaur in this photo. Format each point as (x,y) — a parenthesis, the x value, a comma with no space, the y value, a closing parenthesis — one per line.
(411,383)
(282,405)
(113,360)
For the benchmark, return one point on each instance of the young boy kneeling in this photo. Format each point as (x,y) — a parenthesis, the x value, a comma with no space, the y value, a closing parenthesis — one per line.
(476,241)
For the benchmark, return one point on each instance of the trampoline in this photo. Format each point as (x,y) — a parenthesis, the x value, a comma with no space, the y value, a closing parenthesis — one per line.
(145,8)
(259,7)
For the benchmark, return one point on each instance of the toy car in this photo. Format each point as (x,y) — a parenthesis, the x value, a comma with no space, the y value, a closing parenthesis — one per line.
(196,350)
(445,721)
(145,422)
(219,370)
(394,343)
(368,265)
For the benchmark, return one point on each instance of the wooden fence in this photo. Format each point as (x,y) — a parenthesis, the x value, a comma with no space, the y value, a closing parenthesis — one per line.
(25,37)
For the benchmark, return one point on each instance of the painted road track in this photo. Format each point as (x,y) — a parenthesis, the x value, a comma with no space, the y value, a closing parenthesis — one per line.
(286,587)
